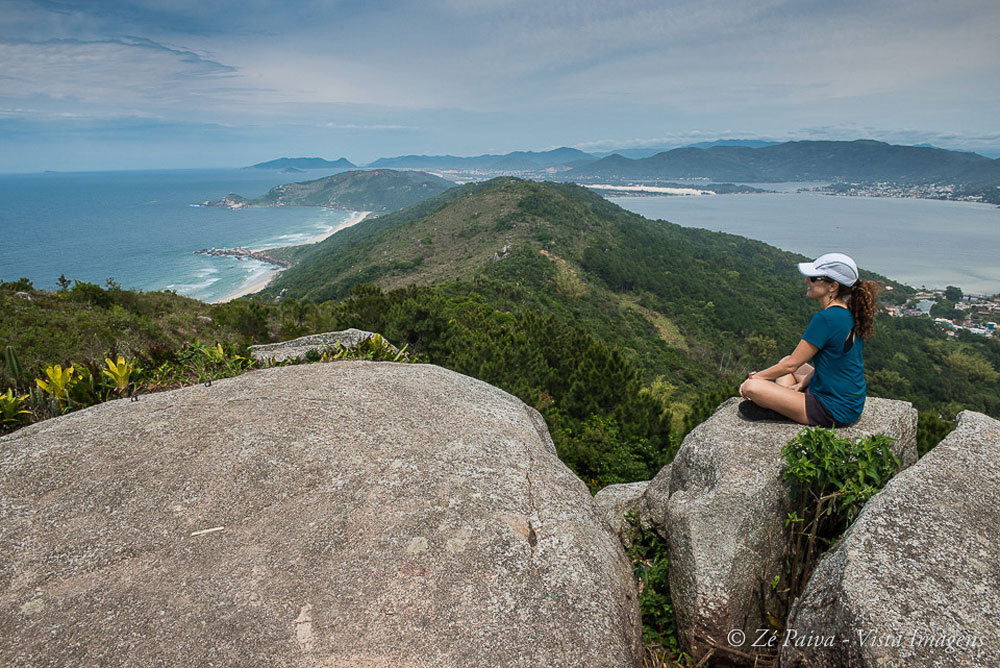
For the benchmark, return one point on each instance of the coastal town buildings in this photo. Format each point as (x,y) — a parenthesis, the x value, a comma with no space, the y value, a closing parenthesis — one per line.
(980,313)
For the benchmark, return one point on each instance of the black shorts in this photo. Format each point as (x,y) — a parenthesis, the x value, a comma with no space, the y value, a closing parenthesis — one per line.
(816,413)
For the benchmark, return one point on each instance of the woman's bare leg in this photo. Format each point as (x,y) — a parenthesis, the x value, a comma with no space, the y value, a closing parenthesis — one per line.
(790,403)
(787,380)
(800,374)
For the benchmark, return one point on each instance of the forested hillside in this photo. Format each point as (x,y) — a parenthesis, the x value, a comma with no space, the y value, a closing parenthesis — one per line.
(656,288)
(693,310)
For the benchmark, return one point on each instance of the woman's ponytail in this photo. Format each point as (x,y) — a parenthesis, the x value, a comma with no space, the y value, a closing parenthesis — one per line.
(863,302)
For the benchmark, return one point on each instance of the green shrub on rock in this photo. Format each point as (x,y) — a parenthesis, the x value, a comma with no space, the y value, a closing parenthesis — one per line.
(832,478)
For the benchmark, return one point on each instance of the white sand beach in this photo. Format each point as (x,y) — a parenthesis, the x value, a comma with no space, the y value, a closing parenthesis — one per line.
(258,283)
(659,190)
(354,220)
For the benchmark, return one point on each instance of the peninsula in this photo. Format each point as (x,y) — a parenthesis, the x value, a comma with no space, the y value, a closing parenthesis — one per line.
(378,190)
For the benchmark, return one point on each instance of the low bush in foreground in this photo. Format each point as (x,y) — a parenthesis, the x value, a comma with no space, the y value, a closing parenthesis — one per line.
(75,386)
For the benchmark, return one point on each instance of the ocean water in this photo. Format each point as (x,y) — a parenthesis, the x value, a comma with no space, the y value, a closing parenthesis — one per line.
(920,242)
(142,228)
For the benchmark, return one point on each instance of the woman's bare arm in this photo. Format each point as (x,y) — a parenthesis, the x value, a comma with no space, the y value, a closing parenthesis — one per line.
(802,354)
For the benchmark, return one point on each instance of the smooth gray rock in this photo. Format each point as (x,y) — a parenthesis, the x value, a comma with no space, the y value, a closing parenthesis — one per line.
(279,352)
(342,514)
(655,500)
(614,501)
(726,519)
(918,568)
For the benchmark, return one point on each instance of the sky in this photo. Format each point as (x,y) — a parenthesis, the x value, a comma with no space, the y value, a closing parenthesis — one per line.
(147,84)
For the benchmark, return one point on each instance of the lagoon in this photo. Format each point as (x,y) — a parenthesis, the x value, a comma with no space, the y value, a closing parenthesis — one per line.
(920,242)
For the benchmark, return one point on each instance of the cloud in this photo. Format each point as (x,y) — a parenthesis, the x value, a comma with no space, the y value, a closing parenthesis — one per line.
(376,127)
(129,71)
(689,55)
(503,74)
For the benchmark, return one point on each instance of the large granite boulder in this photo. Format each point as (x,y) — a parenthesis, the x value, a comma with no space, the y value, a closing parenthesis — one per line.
(915,580)
(348,514)
(655,500)
(647,499)
(616,501)
(726,521)
(300,347)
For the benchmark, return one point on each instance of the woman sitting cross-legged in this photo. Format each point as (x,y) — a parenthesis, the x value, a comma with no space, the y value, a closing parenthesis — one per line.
(829,391)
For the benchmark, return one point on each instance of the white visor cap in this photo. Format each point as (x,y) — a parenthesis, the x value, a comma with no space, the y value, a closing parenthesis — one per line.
(837,266)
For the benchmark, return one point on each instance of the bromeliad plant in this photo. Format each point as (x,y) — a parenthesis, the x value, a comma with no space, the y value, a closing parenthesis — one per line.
(120,372)
(59,384)
(374,348)
(204,362)
(12,411)
(12,366)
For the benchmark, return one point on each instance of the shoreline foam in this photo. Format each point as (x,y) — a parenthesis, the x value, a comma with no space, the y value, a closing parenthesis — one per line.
(259,283)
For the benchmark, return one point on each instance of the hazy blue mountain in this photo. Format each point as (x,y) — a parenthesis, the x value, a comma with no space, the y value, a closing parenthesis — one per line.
(634,153)
(637,153)
(860,161)
(305,163)
(515,161)
(749,143)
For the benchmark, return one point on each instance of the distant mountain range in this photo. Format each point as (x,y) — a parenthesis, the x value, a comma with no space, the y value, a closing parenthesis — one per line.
(860,161)
(516,161)
(739,161)
(305,163)
(636,153)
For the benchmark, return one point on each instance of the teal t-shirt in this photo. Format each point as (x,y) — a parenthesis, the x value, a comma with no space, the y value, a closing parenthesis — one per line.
(839,379)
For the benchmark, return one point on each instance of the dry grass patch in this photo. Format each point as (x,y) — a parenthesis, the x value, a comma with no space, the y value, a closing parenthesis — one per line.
(663,325)
(568,281)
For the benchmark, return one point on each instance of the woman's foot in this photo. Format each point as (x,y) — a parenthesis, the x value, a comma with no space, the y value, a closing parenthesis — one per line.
(751,411)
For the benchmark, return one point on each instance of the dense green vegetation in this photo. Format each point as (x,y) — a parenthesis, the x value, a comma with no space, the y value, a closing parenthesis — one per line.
(831,480)
(139,357)
(692,309)
(649,553)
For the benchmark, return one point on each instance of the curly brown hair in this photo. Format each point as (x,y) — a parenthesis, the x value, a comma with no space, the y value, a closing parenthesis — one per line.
(862,300)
